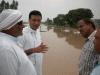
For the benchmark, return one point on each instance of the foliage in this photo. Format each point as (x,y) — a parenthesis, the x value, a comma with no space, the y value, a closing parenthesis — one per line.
(6,5)
(74,16)
(59,20)
(14,5)
(48,22)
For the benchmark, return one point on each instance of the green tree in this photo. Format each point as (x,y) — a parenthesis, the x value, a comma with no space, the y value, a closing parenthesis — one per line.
(2,4)
(48,22)
(59,20)
(75,15)
(7,5)
(14,5)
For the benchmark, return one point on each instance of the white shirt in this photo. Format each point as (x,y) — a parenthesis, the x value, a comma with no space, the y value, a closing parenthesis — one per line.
(13,61)
(31,39)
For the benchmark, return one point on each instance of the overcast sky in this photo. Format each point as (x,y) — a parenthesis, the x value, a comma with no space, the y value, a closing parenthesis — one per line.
(51,8)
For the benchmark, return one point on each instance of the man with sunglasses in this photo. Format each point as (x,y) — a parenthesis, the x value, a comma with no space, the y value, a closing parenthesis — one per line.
(30,41)
(13,61)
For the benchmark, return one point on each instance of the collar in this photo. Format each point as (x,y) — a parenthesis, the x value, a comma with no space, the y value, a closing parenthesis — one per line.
(8,36)
(91,35)
(31,30)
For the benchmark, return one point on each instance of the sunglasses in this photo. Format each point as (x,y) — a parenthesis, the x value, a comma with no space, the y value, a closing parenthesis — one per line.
(20,23)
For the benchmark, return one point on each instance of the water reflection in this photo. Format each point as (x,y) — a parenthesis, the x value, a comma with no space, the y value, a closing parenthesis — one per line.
(71,35)
(64,49)
(49,27)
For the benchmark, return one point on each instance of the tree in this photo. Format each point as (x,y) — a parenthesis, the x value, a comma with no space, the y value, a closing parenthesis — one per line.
(6,5)
(12,6)
(59,20)
(16,4)
(48,22)
(74,16)
(2,4)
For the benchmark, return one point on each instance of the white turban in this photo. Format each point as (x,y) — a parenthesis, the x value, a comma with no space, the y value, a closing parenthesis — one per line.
(9,18)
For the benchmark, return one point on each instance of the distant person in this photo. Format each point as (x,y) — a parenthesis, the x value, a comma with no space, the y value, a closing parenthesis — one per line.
(96,70)
(13,61)
(31,43)
(88,58)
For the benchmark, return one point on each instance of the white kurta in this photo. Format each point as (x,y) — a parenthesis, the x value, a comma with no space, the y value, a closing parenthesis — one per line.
(13,61)
(31,39)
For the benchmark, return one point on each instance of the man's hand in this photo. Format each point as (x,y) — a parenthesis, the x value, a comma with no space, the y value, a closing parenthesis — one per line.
(41,49)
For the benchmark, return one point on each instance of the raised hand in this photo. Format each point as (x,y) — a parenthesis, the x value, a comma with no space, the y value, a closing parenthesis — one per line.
(41,49)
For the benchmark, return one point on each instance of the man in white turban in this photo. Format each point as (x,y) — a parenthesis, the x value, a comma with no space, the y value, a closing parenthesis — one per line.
(13,61)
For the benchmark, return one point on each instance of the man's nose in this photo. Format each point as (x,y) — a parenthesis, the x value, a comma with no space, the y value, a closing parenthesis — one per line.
(23,26)
(79,29)
(36,22)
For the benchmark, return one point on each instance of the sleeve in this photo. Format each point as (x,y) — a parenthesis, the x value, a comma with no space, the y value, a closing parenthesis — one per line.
(21,41)
(8,62)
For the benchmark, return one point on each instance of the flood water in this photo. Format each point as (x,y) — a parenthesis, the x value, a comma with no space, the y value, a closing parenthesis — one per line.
(65,45)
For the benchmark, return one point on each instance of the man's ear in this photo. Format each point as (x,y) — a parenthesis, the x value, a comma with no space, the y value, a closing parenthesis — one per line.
(90,25)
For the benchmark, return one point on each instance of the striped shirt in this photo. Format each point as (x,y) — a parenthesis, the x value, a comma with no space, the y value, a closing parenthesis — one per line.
(88,58)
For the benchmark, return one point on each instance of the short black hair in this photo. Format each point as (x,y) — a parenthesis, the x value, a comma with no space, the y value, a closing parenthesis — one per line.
(87,21)
(35,12)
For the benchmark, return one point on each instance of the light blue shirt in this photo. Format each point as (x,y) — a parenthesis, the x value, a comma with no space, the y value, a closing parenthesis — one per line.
(96,70)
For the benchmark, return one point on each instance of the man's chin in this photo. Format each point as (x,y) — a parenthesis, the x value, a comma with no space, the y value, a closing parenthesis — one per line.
(82,34)
(35,28)
(20,34)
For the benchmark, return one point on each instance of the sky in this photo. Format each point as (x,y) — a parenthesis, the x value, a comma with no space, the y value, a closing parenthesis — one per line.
(51,8)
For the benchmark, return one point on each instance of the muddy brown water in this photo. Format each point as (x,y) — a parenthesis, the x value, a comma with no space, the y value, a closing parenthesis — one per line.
(65,45)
